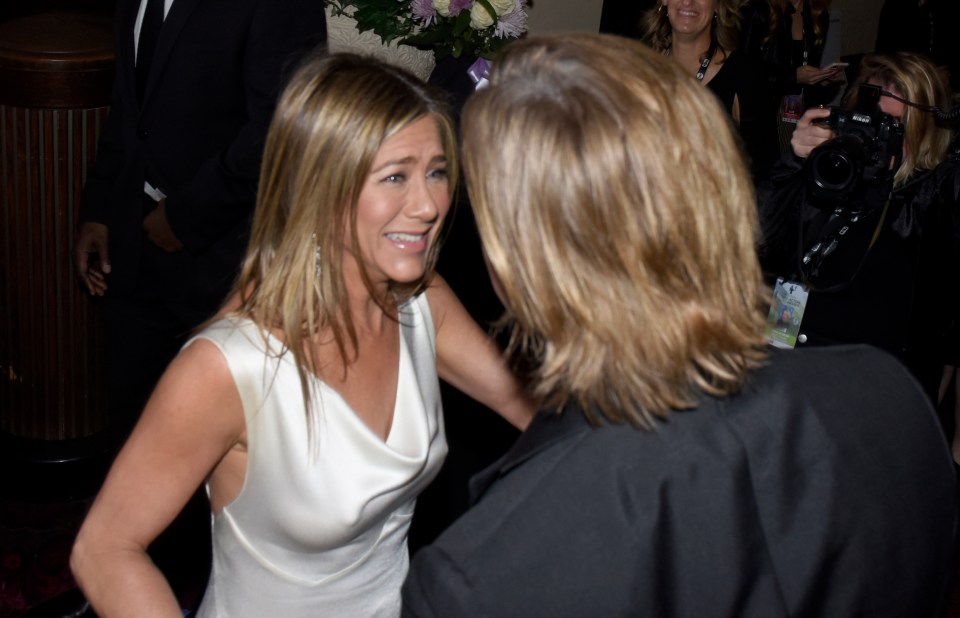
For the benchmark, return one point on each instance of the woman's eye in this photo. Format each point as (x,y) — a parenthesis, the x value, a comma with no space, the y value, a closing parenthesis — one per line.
(439,173)
(394,178)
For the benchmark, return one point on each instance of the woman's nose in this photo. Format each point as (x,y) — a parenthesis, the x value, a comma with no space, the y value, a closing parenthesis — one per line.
(426,201)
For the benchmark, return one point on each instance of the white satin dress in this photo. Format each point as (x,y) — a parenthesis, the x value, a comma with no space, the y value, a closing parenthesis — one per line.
(319,529)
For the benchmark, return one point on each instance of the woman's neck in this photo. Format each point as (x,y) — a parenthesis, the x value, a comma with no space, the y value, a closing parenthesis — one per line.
(689,51)
(367,313)
(365,305)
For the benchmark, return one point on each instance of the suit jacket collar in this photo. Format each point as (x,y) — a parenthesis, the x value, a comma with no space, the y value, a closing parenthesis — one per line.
(546,429)
(126,18)
(172,26)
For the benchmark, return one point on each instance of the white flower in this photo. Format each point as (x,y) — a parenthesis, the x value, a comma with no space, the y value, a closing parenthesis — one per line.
(480,18)
(502,7)
(442,6)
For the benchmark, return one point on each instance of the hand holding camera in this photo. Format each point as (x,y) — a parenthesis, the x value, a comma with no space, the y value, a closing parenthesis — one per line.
(848,148)
(810,131)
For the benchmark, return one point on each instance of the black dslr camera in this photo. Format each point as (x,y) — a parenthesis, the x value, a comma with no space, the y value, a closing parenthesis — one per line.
(867,149)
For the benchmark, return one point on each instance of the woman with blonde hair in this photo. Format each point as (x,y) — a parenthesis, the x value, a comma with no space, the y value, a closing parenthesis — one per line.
(678,466)
(901,224)
(703,36)
(914,78)
(310,407)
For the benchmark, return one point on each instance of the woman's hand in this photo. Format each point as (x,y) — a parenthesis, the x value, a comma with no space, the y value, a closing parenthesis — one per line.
(807,74)
(809,134)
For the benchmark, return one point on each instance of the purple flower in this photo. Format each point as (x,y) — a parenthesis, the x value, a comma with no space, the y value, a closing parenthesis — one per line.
(459,5)
(513,24)
(423,10)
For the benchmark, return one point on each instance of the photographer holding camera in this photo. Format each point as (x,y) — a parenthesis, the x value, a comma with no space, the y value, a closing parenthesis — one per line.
(861,224)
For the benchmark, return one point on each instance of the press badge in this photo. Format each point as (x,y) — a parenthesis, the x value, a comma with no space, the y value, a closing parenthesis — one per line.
(786,313)
(792,108)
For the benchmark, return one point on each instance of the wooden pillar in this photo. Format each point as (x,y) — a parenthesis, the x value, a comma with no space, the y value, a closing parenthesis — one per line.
(56,69)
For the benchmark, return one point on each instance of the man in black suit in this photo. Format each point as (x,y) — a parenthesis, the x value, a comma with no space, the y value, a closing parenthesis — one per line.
(167,205)
(679,466)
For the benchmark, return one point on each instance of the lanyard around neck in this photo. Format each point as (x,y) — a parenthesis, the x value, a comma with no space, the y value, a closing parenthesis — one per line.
(706,61)
(704,64)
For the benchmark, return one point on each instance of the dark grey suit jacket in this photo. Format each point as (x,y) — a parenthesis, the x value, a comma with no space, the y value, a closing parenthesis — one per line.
(213,86)
(824,489)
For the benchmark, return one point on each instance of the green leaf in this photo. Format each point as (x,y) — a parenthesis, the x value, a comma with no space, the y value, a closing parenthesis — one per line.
(462,23)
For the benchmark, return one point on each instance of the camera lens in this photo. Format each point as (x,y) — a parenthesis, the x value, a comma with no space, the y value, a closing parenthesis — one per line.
(835,167)
(833,170)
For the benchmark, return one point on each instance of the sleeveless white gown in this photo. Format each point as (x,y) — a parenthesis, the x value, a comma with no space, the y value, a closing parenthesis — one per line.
(319,529)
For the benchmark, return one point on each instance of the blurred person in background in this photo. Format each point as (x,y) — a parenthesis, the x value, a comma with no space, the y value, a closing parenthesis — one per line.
(788,38)
(703,36)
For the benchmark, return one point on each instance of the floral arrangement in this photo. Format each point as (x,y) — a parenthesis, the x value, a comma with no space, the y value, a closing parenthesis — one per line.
(472,28)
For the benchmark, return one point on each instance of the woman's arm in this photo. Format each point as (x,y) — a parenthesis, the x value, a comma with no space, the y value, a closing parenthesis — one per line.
(192,419)
(781,198)
(470,360)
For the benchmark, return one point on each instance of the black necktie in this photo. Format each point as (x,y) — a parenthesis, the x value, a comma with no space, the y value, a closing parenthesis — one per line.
(147,44)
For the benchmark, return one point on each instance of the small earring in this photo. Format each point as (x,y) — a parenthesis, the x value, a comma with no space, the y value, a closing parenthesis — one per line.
(715,17)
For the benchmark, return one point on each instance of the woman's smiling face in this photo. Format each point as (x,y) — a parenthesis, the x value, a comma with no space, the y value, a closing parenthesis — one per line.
(690,17)
(402,205)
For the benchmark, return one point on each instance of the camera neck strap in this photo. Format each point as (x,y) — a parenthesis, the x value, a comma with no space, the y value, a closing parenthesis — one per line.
(810,261)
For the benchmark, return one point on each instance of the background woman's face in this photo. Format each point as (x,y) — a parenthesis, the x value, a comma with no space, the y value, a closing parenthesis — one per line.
(691,17)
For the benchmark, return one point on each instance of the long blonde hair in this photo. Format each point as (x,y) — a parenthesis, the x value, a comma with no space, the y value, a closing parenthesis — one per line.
(619,218)
(329,124)
(926,143)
